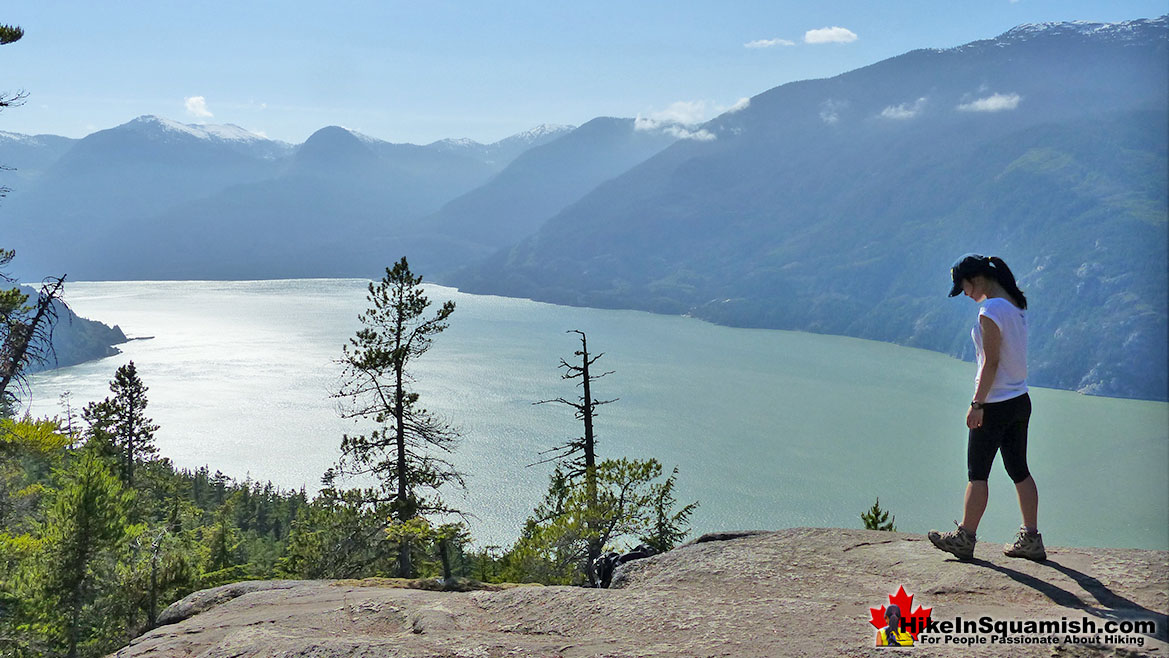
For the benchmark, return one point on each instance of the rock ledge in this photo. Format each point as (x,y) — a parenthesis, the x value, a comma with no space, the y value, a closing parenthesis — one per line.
(795,592)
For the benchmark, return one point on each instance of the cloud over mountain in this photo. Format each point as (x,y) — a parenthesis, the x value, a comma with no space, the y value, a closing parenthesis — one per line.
(904,110)
(830,110)
(197,107)
(993,103)
(681,118)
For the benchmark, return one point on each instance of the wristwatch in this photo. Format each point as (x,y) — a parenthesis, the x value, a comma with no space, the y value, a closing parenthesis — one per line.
(975,404)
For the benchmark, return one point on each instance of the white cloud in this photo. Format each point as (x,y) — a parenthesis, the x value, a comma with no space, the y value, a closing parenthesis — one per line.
(680,118)
(830,110)
(768,43)
(682,132)
(993,103)
(197,106)
(679,130)
(904,110)
(684,112)
(830,35)
(741,104)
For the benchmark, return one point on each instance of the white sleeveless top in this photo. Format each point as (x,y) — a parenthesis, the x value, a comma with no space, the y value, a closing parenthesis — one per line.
(1010,380)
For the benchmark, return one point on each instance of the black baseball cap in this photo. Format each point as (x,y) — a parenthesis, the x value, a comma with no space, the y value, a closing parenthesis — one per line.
(966,267)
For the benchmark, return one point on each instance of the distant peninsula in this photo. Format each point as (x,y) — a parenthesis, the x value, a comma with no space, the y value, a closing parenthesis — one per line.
(77,339)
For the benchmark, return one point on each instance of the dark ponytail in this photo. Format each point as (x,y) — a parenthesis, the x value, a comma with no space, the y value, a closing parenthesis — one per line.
(1003,275)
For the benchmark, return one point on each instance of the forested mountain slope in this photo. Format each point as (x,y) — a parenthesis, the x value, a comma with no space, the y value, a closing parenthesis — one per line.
(838,205)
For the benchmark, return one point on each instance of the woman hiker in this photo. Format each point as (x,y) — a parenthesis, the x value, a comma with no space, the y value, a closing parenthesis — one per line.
(998,415)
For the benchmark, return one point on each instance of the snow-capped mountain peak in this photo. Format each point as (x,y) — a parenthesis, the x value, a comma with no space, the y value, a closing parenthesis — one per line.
(368,140)
(1126,31)
(18,138)
(547,129)
(215,132)
(1122,30)
(540,132)
(464,142)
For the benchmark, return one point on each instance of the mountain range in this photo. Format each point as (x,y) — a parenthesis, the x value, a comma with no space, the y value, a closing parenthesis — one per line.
(838,206)
(833,206)
(154,198)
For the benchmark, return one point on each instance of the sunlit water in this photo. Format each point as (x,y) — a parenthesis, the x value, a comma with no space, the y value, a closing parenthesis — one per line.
(769,429)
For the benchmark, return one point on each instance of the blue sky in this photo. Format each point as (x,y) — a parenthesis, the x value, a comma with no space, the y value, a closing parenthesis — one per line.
(417,71)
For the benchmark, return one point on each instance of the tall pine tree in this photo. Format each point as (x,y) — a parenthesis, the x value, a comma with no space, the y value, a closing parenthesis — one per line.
(119,426)
(405,451)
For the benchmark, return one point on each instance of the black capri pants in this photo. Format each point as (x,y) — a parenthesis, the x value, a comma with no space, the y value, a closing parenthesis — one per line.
(1004,428)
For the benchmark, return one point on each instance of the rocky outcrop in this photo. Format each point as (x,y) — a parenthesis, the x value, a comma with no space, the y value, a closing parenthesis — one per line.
(795,592)
(210,598)
(75,339)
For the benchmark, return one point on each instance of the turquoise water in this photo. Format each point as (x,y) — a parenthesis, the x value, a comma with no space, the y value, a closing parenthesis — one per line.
(769,429)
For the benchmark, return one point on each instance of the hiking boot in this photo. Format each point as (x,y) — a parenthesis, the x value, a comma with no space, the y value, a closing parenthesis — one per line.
(1026,546)
(959,542)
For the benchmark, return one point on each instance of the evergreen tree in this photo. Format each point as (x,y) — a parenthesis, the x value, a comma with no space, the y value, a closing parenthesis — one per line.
(667,527)
(119,425)
(9,34)
(405,451)
(28,451)
(221,544)
(877,518)
(158,567)
(340,534)
(557,539)
(88,518)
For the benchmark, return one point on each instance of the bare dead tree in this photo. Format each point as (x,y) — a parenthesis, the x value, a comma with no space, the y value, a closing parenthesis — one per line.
(579,456)
(28,340)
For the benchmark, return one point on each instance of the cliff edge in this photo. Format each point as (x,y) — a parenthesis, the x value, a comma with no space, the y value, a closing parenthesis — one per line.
(795,592)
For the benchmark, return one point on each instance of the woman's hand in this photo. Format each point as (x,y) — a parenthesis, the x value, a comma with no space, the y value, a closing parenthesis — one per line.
(974,418)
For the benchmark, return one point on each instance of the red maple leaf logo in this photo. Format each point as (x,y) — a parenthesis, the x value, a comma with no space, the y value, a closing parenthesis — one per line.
(912,622)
